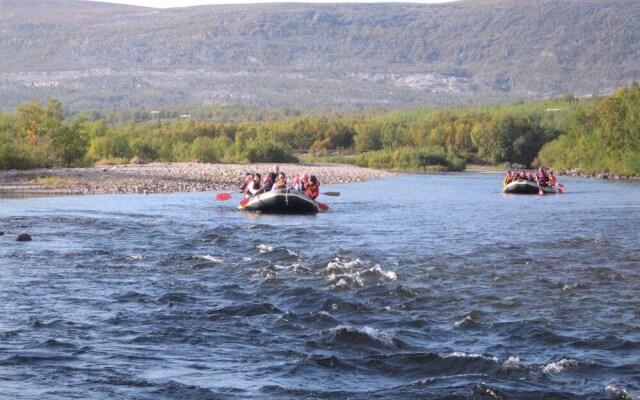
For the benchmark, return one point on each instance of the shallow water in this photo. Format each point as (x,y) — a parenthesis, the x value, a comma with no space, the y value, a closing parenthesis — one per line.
(417,286)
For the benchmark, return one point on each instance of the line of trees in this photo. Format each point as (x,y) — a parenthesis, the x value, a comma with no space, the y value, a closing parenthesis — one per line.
(604,137)
(596,135)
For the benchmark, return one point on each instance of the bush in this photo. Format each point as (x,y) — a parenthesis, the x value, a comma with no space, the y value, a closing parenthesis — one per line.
(265,152)
(409,159)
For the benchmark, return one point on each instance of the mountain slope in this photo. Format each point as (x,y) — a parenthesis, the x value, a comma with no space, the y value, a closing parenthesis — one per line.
(97,55)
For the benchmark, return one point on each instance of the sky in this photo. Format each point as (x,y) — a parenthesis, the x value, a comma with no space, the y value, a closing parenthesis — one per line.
(187,3)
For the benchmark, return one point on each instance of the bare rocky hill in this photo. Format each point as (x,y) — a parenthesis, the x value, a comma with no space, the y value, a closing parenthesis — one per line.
(102,56)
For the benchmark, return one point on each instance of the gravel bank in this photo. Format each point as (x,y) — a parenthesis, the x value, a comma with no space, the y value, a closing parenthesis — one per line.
(164,177)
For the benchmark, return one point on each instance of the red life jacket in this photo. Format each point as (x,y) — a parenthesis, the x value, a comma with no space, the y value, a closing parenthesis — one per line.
(245,185)
(542,178)
(312,190)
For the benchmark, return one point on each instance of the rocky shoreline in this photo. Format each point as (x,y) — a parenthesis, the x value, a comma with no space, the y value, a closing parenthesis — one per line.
(164,177)
(576,173)
(184,177)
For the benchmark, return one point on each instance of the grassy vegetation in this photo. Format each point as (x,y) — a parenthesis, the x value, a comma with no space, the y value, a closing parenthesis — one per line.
(594,135)
(52,181)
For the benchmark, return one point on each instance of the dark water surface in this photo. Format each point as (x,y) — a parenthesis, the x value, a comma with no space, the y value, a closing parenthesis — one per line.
(433,286)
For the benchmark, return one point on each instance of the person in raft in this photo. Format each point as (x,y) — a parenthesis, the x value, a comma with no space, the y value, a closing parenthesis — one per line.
(507,179)
(304,179)
(248,178)
(254,188)
(552,178)
(269,180)
(312,188)
(281,182)
(542,178)
(530,177)
(297,184)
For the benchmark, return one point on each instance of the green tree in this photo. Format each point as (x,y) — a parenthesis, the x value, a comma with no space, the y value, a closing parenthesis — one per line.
(70,143)
(368,137)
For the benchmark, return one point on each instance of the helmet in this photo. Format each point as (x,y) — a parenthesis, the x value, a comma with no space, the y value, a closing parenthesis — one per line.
(304,176)
(313,179)
(296,179)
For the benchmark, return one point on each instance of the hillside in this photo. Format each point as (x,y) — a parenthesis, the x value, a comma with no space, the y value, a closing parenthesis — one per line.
(102,56)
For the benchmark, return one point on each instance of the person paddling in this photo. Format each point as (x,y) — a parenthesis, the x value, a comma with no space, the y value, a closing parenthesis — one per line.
(312,189)
(248,178)
(254,186)
(552,179)
(541,177)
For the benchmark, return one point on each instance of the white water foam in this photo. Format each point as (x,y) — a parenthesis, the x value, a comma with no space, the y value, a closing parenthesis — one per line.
(385,338)
(206,257)
(512,363)
(462,354)
(341,284)
(462,321)
(559,366)
(263,248)
(492,393)
(620,394)
(390,275)
(343,265)
(343,280)
(345,272)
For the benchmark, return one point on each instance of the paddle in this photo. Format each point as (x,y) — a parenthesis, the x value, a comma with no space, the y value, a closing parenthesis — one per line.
(244,202)
(540,191)
(322,206)
(223,196)
(335,194)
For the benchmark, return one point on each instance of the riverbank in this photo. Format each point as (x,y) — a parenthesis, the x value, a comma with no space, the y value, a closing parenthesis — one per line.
(165,177)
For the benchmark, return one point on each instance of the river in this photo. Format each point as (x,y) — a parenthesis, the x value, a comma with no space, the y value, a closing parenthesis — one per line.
(414,286)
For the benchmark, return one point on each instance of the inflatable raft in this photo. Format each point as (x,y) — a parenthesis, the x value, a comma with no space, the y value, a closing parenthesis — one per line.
(280,202)
(528,187)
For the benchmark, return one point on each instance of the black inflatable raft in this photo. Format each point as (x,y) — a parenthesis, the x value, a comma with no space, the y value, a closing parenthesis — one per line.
(528,187)
(280,202)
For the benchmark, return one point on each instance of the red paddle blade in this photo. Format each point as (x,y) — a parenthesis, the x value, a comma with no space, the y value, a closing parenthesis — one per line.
(323,206)
(244,202)
(223,196)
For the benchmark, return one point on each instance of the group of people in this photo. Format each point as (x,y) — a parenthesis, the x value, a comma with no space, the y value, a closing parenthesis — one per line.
(277,180)
(542,177)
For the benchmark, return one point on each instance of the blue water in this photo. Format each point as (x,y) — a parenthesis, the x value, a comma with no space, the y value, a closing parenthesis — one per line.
(416,286)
